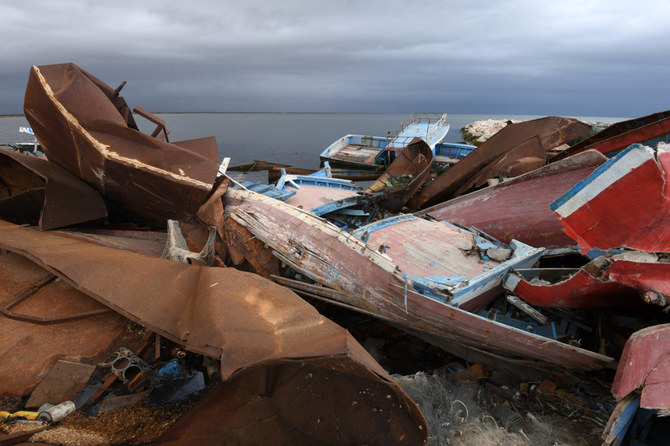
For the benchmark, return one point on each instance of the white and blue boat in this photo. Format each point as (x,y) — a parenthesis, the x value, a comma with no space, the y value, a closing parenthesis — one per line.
(377,152)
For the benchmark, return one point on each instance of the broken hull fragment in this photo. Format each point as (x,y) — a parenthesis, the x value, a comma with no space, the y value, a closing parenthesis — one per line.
(582,289)
(645,366)
(605,210)
(353,273)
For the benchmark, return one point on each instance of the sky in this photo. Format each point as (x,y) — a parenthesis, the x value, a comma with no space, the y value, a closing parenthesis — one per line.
(571,58)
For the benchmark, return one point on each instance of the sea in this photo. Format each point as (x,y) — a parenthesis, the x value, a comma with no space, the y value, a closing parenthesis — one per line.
(295,139)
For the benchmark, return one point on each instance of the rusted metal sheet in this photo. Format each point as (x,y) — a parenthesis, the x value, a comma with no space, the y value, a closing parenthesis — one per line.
(149,243)
(85,126)
(38,192)
(519,208)
(369,281)
(412,162)
(624,203)
(31,345)
(645,366)
(648,130)
(299,402)
(251,325)
(63,383)
(514,150)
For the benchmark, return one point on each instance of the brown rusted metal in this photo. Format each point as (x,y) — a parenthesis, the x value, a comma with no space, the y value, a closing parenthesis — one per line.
(30,350)
(412,162)
(6,308)
(63,383)
(38,192)
(84,126)
(249,324)
(149,243)
(512,151)
(211,214)
(299,402)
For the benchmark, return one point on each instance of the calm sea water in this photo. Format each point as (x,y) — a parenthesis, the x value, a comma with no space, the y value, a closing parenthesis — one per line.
(289,138)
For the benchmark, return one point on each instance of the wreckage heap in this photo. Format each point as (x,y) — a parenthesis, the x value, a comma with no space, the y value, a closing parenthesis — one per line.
(506,259)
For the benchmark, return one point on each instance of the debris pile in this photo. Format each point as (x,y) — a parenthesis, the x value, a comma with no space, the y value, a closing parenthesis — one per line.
(150,297)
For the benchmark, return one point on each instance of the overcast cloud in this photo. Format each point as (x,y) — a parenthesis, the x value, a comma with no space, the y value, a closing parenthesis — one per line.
(599,58)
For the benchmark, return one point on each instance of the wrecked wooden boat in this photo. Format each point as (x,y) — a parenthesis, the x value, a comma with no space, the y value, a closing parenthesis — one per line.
(274,173)
(514,150)
(318,191)
(431,256)
(275,354)
(519,208)
(623,203)
(341,268)
(449,153)
(646,130)
(83,125)
(377,152)
(340,201)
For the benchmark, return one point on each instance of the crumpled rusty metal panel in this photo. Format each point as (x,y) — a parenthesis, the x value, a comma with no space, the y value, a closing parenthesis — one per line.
(519,208)
(38,192)
(413,161)
(81,126)
(30,344)
(514,150)
(361,278)
(247,322)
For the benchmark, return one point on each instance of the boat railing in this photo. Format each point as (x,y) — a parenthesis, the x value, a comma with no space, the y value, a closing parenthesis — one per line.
(432,122)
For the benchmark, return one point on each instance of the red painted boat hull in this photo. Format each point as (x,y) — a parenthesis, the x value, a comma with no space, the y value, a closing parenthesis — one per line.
(624,203)
(519,208)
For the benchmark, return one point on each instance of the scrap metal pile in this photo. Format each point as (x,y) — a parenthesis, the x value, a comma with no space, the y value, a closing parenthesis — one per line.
(140,280)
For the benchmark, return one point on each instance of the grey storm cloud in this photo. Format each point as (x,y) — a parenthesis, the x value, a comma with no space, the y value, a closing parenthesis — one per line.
(605,58)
